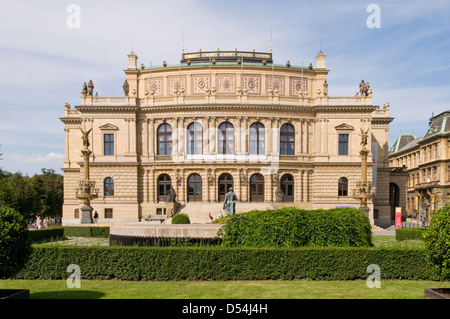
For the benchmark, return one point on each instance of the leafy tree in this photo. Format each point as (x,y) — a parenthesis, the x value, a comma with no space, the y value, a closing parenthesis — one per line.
(437,241)
(15,244)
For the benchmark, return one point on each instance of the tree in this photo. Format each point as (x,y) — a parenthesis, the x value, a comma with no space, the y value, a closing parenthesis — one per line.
(15,244)
(437,241)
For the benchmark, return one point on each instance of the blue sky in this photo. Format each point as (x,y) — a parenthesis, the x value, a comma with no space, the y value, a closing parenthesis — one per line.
(44,63)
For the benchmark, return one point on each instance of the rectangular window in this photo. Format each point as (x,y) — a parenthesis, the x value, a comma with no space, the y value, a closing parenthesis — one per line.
(108,213)
(108,144)
(343,144)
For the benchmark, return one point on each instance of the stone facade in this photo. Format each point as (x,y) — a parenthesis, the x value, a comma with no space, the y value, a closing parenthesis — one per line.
(426,160)
(213,122)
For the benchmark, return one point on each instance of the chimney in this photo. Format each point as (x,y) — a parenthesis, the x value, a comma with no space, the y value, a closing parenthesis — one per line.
(132,61)
(320,60)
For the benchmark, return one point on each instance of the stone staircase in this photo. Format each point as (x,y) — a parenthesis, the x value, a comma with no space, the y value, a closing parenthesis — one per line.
(199,212)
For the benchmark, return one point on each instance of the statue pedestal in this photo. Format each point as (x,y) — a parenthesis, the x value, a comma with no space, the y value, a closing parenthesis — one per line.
(86,215)
(171,205)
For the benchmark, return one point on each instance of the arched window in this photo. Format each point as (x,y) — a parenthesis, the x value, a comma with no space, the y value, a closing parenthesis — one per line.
(257,138)
(164,184)
(257,188)
(343,187)
(195,138)
(225,182)
(287,139)
(287,186)
(164,139)
(226,138)
(194,188)
(108,185)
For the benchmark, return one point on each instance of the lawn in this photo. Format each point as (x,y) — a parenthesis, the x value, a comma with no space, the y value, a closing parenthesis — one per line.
(271,289)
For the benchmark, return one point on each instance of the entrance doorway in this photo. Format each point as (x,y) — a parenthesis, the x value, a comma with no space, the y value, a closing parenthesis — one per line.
(194,188)
(257,188)
(225,182)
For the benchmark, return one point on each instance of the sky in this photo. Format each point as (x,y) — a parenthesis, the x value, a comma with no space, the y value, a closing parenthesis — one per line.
(48,49)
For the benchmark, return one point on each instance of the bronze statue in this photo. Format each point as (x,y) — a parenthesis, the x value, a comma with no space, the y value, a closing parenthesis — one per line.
(126,88)
(172,195)
(90,88)
(85,137)
(229,203)
(279,195)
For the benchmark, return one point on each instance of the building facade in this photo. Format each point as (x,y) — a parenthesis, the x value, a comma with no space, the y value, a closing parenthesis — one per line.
(225,119)
(426,160)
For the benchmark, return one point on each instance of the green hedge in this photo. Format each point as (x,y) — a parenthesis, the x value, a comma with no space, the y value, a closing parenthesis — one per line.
(409,233)
(292,227)
(86,231)
(222,263)
(52,233)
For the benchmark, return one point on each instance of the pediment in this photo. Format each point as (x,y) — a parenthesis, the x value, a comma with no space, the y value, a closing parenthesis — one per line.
(109,127)
(344,127)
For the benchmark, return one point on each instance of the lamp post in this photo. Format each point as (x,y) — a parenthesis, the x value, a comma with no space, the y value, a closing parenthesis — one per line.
(364,190)
(86,188)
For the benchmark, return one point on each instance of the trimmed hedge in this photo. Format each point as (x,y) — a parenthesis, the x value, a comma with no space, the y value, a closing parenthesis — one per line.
(51,233)
(86,231)
(221,263)
(409,233)
(292,227)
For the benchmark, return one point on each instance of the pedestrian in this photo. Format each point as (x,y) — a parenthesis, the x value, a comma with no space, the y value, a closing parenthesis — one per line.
(36,223)
(95,217)
(171,213)
(210,218)
(45,222)
(424,222)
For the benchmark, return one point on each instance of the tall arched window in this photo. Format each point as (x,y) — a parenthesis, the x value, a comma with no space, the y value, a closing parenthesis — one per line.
(343,187)
(164,184)
(257,136)
(195,138)
(287,186)
(108,186)
(226,138)
(257,188)
(287,139)
(164,139)
(194,186)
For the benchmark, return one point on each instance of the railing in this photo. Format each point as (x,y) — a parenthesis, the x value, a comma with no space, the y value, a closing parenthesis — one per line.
(150,100)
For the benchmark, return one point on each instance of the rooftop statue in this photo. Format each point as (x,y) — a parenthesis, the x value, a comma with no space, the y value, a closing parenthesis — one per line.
(90,88)
(84,89)
(126,88)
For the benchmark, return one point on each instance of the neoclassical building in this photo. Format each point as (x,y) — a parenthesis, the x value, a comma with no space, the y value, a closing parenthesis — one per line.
(426,159)
(224,119)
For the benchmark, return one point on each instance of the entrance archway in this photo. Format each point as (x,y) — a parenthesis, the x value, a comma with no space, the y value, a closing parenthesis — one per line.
(164,184)
(225,182)
(194,188)
(257,188)
(394,198)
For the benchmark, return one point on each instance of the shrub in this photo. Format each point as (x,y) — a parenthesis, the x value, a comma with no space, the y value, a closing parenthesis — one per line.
(15,244)
(409,233)
(52,233)
(437,241)
(86,231)
(292,227)
(222,263)
(181,219)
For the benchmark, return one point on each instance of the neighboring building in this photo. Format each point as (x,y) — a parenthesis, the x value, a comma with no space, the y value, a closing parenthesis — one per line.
(427,161)
(222,119)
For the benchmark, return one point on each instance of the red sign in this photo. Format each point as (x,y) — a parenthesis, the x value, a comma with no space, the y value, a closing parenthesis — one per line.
(398,216)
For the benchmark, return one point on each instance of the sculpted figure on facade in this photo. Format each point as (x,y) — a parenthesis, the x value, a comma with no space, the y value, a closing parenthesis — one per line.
(172,195)
(84,89)
(85,137)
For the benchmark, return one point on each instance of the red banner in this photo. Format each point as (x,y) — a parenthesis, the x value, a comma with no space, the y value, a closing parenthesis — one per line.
(398,216)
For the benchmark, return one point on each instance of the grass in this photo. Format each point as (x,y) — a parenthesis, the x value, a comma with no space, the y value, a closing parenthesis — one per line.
(272,289)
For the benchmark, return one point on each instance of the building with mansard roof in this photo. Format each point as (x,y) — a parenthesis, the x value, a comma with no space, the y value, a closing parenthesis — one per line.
(426,160)
(224,119)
